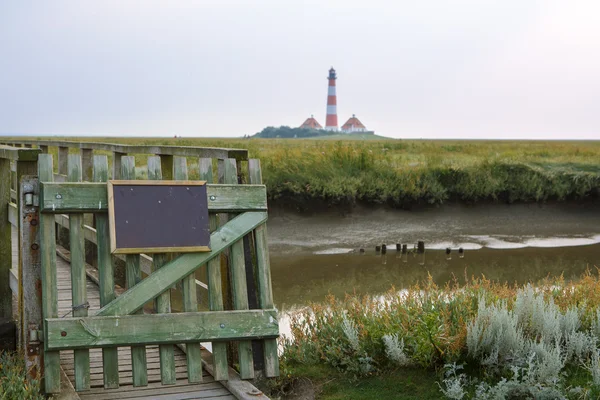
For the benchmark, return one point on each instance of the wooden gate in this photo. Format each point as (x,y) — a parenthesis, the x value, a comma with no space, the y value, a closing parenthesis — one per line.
(237,216)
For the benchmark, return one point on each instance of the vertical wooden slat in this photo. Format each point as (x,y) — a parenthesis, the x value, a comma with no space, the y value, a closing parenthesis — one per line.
(116,166)
(238,283)
(190,298)
(87,168)
(63,155)
(166,167)
(5,241)
(78,277)
(263,272)
(133,276)
(110,355)
(49,282)
(163,302)
(215,291)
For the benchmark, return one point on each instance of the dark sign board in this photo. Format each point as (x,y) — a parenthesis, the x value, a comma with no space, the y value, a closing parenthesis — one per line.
(158,217)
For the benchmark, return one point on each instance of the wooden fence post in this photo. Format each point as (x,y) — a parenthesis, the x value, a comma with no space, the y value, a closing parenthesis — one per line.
(49,278)
(5,242)
(30,279)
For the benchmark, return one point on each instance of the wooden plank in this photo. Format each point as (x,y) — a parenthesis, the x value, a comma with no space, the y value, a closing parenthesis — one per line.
(263,272)
(238,284)
(12,214)
(161,280)
(215,291)
(78,277)
(70,197)
(133,276)
(117,165)
(106,274)
(190,298)
(18,154)
(87,168)
(52,374)
(184,151)
(88,332)
(63,155)
(163,300)
(5,241)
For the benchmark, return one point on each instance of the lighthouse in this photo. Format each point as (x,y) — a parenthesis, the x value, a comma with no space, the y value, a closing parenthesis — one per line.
(331,122)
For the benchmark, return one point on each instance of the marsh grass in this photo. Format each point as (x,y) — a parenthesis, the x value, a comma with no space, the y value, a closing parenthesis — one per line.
(402,173)
(13,382)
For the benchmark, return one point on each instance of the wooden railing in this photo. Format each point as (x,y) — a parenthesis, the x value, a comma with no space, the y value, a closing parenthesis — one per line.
(241,272)
(117,152)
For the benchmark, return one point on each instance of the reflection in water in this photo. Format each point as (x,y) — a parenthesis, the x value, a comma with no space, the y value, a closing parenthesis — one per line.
(301,278)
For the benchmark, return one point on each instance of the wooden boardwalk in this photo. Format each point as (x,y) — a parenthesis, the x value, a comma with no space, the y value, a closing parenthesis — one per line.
(208,389)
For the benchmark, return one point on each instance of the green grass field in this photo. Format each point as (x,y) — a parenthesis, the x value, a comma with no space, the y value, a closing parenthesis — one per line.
(403,173)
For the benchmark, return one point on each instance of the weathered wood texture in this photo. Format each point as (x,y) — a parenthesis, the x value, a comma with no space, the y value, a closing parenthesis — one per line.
(106,274)
(78,276)
(93,197)
(163,300)
(49,279)
(207,389)
(239,287)
(5,241)
(133,276)
(263,278)
(215,290)
(183,151)
(88,332)
(190,297)
(162,279)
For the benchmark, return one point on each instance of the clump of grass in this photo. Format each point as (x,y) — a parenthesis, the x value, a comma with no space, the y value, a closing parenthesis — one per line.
(13,379)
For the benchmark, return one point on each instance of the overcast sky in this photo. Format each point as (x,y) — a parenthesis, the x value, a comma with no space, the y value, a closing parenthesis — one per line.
(429,69)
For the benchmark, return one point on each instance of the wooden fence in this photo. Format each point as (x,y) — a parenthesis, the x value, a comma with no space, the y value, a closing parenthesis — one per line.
(237,267)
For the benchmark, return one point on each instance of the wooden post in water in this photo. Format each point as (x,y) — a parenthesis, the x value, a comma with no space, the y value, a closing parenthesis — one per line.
(405,252)
(421,250)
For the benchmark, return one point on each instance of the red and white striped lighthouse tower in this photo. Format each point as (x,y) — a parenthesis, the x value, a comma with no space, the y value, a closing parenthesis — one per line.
(331,123)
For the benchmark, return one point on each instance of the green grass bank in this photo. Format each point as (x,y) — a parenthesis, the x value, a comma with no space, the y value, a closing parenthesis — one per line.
(403,173)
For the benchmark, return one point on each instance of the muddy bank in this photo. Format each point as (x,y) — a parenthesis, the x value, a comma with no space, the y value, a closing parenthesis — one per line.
(490,225)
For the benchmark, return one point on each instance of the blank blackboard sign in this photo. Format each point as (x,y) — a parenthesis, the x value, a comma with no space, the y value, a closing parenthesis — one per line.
(158,217)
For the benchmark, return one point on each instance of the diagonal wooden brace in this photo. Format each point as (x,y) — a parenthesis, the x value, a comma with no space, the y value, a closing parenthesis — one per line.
(161,280)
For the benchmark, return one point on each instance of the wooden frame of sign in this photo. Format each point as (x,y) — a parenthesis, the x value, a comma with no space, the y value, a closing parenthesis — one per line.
(158,217)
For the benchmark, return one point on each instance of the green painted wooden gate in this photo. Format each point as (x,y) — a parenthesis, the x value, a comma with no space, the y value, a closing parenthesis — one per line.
(238,214)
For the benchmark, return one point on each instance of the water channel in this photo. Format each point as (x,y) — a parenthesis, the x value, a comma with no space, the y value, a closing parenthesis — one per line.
(315,255)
